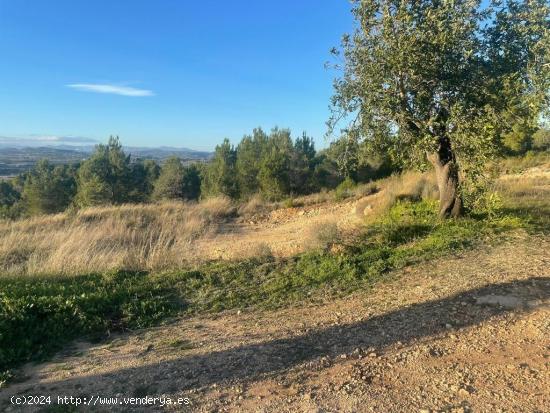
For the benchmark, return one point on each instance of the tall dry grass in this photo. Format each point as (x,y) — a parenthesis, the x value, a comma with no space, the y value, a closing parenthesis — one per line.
(172,234)
(413,186)
(410,185)
(150,237)
(530,186)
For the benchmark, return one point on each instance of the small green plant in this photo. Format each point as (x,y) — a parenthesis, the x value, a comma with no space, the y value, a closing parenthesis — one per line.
(39,315)
(289,203)
(344,189)
(181,344)
(5,376)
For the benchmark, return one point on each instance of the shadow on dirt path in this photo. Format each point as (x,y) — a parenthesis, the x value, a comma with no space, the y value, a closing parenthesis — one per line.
(250,362)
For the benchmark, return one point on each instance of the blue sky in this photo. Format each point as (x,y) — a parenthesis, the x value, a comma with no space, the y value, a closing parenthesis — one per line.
(176,73)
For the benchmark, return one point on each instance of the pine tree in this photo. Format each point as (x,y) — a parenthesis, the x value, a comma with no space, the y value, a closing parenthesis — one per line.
(249,154)
(221,173)
(105,178)
(274,175)
(302,165)
(48,189)
(177,181)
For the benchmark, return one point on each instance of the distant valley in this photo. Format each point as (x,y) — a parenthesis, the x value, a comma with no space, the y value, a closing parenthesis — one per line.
(17,159)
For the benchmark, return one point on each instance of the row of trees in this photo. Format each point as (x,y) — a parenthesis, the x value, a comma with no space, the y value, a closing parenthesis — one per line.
(273,165)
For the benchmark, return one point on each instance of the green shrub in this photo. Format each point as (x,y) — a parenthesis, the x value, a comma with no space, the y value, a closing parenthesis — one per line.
(344,189)
(541,140)
(39,315)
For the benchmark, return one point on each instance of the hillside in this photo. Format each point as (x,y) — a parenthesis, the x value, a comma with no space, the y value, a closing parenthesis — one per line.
(381,312)
(172,235)
(369,233)
(431,339)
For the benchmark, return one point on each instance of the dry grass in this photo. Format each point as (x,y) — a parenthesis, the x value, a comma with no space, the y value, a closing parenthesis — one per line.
(171,235)
(385,193)
(152,237)
(253,206)
(409,185)
(522,163)
(323,235)
(532,185)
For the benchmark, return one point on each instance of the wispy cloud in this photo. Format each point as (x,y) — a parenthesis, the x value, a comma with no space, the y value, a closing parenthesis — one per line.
(111,89)
(34,140)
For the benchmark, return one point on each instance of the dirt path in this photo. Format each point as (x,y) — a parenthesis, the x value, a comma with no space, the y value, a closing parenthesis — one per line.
(467,333)
(285,231)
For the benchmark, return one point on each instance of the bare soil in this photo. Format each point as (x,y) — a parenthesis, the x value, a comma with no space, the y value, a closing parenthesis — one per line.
(285,231)
(459,334)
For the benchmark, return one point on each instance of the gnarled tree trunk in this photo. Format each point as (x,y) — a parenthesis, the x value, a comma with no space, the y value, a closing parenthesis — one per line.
(446,170)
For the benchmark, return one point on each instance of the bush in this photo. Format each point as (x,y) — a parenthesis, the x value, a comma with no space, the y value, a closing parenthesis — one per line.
(366,189)
(324,235)
(253,206)
(262,251)
(289,203)
(344,189)
(407,186)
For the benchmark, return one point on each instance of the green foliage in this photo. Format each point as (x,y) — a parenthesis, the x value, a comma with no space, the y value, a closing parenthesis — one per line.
(220,176)
(450,78)
(519,140)
(10,207)
(39,315)
(541,139)
(249,155)
(302,164)
(177,181)
(344,189)
(345,153)
(274,176)
(326,173)
(143,175)
(48,189)
(105,178)
(8,194)
(274,166)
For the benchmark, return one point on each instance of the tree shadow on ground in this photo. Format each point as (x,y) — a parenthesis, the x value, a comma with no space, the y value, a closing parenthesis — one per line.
(253,361)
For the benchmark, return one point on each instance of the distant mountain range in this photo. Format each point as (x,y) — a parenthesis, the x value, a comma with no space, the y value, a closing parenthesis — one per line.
(16,158)
(163,152)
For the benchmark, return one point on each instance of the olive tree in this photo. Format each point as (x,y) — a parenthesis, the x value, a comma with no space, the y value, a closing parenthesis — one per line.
(442,81)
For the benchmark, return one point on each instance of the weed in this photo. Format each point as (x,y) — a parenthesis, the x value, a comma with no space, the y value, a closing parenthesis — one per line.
(324,235)
(39,315)
(181,344)
(262,251)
